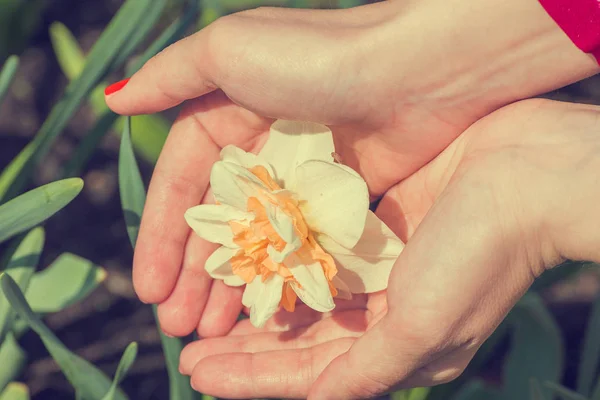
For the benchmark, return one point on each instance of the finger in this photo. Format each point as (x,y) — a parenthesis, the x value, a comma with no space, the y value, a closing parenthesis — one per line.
(179,181)
(178,73)
(222,310)
(250,59)
(180,314)
(282,373)
(454,282)
(298,338)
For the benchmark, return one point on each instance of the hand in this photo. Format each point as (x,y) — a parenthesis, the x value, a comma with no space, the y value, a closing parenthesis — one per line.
(373,73)
(512,196)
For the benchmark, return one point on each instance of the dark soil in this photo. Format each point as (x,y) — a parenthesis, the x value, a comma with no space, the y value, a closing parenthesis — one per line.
(92,226)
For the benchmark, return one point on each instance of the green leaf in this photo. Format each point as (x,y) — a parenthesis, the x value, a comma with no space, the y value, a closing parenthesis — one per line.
(563,392)
(7,74)
(590,352)
(100,59)
(133,196)
(90,382)
(12,360)
(151,130)
(411,394)
(69,55)
(66,281)
(349,3)
(419,393)
(596,392)
(152,13)
(131,186)
(537,348)
(15,169)
(127,360)
(477,390)
(15,391)
(21,266)
(36,206)
(536,390)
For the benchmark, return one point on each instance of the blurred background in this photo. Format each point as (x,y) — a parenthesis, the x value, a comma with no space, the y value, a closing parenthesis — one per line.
(92,226)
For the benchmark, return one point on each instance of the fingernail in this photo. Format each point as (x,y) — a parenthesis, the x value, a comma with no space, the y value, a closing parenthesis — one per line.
(167,335)
(115,87)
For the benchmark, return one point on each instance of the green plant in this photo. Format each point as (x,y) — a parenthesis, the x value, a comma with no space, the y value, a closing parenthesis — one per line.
(533,366)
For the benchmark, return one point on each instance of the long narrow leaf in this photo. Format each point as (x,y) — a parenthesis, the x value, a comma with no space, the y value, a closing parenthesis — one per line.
(66,281)
(151,16)
(12,360)
(100,59)
(35,206)
(15,169)
(536,390)
(131,186)
(151,130)
(596,391)
(563,392)
(537,349)
(90,382)
(15,391)
(7,74)
(127,360)
(133,196)
(21,266)
(89,144)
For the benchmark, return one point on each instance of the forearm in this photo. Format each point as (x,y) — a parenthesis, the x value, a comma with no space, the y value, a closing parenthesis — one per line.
(481,54)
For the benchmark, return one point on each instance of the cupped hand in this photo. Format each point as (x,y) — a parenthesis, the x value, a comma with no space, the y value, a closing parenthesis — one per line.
(237,75)
(392,105)
(512,196)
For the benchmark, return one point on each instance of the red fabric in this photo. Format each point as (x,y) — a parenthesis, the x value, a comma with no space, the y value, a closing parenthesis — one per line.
(580,20)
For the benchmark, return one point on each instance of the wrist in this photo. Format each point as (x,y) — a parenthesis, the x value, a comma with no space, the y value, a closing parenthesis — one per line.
(480,55)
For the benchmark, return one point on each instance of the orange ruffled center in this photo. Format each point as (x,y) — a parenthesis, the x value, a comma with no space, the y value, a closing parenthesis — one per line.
(252,259)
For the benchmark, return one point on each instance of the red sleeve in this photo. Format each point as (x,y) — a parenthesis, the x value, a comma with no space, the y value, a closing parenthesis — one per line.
(580,20)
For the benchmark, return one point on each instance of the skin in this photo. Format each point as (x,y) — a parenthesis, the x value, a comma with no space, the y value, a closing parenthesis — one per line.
(393,107)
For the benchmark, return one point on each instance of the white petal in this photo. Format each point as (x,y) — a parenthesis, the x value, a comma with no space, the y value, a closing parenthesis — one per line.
(366,267)
(233,184)
(334,200)
(291,143)
(314,290)
(284,226)
(252,290)
(209,221)
(233,154)
(218,266)
(264,298)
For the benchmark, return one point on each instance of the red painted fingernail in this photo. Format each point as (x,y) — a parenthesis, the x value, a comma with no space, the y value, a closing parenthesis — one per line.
(115,87)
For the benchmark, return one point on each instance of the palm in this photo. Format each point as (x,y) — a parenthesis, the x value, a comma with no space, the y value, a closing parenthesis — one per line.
(205,126)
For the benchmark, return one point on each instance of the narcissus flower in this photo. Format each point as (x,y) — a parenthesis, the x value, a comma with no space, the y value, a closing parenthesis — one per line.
(293,223)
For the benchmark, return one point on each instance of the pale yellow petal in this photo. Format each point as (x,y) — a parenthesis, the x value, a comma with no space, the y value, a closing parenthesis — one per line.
(334,200)
(232,184)
(210,222)
(218,266)
(291,143)
(366,267)
(263,299)
(312,288)
(234,154)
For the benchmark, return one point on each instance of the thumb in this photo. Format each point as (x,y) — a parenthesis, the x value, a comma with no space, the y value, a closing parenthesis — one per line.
(458,276)
(250,58)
